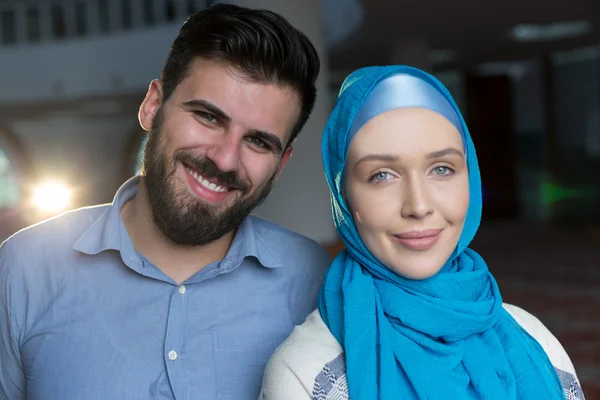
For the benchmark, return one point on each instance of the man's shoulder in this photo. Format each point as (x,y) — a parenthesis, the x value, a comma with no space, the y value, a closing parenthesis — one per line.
(286,241)
(55,233)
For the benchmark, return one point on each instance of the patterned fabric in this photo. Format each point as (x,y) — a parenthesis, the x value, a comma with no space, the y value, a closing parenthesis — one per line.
(570,385)
(331,383)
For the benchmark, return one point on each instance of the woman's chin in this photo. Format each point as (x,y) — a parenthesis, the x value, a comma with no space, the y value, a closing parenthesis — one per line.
(417,271)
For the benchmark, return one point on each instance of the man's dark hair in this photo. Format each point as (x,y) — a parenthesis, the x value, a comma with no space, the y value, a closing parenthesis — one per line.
(261,44)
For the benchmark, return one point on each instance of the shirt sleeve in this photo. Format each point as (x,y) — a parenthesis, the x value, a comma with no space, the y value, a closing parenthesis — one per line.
(12,377)
(280,382)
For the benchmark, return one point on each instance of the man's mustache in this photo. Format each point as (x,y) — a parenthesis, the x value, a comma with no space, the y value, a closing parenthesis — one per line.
(208,169)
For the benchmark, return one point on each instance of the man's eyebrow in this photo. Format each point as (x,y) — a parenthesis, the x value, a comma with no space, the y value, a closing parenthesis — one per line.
(270,138)
(207,105)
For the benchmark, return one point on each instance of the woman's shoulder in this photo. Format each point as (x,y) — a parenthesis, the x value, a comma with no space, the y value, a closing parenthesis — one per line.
(309,344)
(308,351)
(555,351)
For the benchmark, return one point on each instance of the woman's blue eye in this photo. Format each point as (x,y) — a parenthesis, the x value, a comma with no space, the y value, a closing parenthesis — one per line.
(442,170)
(380,176)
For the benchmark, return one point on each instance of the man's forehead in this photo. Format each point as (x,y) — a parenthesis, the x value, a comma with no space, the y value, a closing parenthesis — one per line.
(204,75)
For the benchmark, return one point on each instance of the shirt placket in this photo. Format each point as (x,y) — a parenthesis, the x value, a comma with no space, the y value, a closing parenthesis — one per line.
(174,356)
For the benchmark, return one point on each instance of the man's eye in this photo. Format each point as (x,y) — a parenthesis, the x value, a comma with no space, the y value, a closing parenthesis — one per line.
(258,142)
(207,117)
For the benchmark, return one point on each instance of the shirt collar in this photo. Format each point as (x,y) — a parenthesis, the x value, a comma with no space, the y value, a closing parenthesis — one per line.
(108,232)
(248,242)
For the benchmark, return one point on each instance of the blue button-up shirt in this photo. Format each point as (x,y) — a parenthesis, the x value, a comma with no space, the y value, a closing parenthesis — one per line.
(83,315)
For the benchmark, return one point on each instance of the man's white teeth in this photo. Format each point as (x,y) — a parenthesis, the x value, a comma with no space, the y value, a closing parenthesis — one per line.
(205,183)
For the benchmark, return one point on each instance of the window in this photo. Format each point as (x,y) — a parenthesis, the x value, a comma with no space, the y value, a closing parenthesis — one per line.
(103,16)
(80,18)
(32,17)
(59,29)
(170,12)
(7,22)
(9,185)
(148,12)
(126,19)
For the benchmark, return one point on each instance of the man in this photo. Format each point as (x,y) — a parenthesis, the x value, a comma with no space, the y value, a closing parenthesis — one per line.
(173,291)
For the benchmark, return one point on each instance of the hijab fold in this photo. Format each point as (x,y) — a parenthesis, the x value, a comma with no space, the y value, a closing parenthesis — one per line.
(446,337)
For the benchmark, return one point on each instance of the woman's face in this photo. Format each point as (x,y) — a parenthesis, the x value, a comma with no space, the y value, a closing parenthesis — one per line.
(407,184)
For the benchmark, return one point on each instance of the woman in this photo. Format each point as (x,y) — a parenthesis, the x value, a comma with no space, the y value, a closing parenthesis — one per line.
(408,311)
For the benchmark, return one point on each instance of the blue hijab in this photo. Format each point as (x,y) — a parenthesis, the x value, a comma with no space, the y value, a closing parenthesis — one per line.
(445,337)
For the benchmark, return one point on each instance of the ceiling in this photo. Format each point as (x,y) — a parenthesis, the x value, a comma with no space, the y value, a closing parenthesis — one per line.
(475,31)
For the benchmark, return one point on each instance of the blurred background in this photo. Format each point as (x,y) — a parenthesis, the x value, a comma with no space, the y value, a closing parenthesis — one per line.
(526,76)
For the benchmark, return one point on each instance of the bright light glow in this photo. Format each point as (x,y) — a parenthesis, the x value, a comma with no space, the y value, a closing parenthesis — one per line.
(552,31)
(51,196)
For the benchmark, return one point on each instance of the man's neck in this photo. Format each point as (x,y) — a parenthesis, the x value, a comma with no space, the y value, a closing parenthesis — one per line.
(178,263)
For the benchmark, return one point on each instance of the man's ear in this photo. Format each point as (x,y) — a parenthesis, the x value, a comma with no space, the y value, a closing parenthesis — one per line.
(150,105)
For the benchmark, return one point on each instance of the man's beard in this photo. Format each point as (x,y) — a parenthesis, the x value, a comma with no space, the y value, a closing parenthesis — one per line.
(184,219)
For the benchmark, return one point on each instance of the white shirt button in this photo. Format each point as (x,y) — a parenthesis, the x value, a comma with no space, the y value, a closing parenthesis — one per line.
(172,355)
(181,289)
